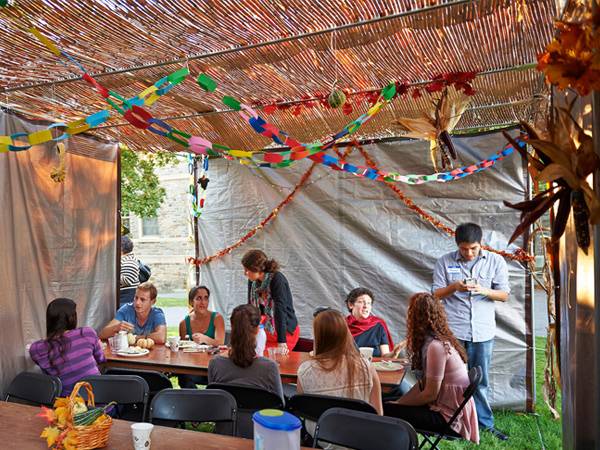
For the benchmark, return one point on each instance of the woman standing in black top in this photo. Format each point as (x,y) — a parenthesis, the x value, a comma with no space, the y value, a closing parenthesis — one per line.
(268,290)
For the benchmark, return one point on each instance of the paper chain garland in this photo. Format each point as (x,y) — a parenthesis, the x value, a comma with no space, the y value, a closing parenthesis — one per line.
(143,119)
(518,255)
(315,152)
(128,108)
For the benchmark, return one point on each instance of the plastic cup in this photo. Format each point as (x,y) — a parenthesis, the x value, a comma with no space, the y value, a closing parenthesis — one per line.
(173,342)
(367,353)
(276,354)
(114,343)
(141,435)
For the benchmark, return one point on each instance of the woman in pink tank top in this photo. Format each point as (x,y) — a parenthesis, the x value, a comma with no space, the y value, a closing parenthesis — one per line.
(435,352)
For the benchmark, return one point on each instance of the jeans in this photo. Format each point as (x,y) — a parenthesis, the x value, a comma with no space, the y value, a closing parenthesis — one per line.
(480,354)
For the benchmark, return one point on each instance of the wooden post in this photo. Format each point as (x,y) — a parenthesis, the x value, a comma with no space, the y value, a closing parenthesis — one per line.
(596,250)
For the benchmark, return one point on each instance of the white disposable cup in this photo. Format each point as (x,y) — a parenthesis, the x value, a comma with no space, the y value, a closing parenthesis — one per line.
(173,342)
(141,435)
(367,353)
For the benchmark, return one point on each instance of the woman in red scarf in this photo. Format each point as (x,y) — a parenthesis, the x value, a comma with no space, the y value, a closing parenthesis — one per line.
(369,330)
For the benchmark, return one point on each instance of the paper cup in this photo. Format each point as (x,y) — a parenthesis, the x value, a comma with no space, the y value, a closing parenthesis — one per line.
(141,435)
(367,353)
(173,342)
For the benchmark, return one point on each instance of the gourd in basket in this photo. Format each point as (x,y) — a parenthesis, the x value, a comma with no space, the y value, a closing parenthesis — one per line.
(75,425)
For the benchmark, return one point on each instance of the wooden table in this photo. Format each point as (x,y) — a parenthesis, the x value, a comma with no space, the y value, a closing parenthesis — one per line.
(20,430)
(162,359)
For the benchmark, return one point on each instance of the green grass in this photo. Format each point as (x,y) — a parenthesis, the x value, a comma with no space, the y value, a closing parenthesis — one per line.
(166,302)
(522,428)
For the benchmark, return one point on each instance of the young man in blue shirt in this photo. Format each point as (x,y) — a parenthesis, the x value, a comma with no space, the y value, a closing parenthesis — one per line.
(469,281)
(141,317)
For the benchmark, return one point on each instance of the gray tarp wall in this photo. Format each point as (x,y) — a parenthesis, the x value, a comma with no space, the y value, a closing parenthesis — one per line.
(56,239)
(341,232)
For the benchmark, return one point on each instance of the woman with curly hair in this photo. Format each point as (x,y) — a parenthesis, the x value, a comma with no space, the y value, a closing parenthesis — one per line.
(436,353)
(269,291)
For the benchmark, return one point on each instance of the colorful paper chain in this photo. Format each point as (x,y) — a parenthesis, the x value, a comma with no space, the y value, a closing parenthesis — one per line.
(315,152)
(140,118)
(129,108)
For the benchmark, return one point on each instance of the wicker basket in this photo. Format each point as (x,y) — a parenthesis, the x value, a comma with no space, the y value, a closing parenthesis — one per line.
(89,436)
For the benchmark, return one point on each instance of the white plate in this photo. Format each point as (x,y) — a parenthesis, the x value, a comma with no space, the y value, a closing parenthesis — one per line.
(388,366)
(184,344)
(134,353)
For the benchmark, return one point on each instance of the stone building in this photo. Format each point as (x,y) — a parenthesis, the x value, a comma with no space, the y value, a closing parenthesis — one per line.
(164,242)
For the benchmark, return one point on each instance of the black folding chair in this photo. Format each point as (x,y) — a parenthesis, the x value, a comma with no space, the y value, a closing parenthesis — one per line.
(364,431)
(434,437)
(173,407)
(249,399)
(157,381)
(312,406)
(35,389)
(129,391)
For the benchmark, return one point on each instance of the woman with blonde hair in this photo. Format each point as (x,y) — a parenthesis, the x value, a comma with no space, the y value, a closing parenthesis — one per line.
(435,352)
(337,369)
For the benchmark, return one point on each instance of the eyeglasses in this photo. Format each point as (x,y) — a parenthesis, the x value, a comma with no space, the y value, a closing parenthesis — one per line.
(320,309)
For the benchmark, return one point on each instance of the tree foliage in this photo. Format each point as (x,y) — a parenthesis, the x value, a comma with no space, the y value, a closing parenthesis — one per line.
(141,192)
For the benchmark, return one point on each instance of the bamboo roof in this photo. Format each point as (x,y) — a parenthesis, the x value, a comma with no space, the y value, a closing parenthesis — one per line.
(275,50)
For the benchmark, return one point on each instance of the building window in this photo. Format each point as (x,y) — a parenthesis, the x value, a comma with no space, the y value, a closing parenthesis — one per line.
(150,226)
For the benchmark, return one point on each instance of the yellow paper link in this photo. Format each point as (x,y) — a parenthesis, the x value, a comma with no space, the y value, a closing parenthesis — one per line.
(240,153)
(375,108)
(245,162)
(151,99)
(3,148)
(5,140)
(77,126)
(44,40)
(39,137)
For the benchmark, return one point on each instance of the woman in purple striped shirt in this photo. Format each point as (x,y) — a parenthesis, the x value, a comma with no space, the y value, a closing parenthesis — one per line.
(68,352)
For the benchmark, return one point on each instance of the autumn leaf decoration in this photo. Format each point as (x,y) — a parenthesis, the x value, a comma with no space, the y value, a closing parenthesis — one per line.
(564,161)
(435,126)
(572,58)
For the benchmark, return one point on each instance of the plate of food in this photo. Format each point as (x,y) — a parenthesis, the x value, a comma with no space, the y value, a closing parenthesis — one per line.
(133,351)
(388,366)
(187,344)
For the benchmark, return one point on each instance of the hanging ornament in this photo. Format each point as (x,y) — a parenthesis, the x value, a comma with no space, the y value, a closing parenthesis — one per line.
(436,125)
(58,173)
(337,98)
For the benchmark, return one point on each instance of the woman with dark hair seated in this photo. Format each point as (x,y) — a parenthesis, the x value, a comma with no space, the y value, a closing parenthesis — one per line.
(436,353)
(68,352)
(243,366)
(369,330)
(203,326)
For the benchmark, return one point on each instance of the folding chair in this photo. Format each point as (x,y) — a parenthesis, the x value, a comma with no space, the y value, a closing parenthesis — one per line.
(35,389)
(157,381)
(434,437)
(249,399)
(172,407)
(364,431)
(312,406)
(129,391)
